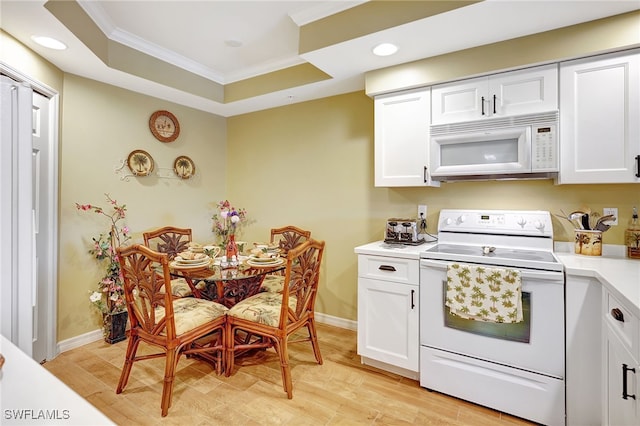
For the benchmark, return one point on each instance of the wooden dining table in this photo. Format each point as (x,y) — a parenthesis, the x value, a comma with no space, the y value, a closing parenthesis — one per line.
(227,286)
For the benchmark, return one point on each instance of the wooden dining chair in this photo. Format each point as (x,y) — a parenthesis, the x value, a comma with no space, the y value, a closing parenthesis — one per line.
(286,238)
(274,317)
(170,324)
(172,241)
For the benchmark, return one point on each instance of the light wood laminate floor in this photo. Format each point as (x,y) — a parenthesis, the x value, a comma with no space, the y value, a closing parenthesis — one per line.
(342,391)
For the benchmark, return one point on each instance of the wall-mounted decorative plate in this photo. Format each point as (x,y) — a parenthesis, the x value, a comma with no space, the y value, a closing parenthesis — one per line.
(140,163)
(164,126)
(184,167)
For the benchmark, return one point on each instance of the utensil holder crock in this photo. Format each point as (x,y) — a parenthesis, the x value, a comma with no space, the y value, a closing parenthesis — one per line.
(588,242)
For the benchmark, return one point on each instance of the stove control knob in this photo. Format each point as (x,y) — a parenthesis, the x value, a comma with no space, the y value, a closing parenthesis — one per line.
(448,221)
(462,218)
(538,225)
(521,221)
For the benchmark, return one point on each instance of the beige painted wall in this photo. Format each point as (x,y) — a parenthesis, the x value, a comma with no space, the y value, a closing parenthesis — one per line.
(101,126)
(311,165)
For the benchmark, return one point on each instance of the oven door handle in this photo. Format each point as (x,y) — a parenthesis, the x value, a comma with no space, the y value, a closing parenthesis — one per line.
(526,273)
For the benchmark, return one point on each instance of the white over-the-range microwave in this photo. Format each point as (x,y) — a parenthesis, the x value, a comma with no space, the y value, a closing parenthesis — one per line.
(519,147)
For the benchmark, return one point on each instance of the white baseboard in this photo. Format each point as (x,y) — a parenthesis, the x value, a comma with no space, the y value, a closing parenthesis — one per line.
(336,321)
(81,340)
(92,336)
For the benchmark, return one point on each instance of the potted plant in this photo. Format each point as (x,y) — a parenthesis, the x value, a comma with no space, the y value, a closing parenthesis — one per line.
(109,296)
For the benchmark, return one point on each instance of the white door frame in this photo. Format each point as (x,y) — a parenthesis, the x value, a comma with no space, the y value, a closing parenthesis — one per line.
(52,226)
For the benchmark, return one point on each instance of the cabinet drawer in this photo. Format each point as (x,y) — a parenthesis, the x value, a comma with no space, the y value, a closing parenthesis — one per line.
(625,326)
(389,269)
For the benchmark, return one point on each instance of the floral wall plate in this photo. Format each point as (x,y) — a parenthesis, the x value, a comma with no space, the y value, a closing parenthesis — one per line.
(184,167)
(140,163)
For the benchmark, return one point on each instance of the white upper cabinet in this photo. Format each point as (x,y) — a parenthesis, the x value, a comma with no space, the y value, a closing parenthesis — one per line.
(402,139)
(525,91)
(599,119)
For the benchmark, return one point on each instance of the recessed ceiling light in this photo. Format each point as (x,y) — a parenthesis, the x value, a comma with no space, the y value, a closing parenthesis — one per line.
(385,49)
(49,42)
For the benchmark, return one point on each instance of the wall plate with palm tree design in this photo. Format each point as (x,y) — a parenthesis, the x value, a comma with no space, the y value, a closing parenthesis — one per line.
(140,163)
(184,167)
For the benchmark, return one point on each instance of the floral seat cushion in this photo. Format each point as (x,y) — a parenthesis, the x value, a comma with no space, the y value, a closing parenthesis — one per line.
(190,313)
(179,288)
(272,283)
(263,308)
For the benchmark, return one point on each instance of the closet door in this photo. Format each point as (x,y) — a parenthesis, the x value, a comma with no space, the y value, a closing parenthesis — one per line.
(17,258)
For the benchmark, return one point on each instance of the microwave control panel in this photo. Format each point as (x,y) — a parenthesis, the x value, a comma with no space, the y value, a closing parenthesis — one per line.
(544,148)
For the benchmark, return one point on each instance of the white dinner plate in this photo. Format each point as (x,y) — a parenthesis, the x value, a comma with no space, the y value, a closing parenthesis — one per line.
(257,259)
(178,265)
(273,262)
(182,261)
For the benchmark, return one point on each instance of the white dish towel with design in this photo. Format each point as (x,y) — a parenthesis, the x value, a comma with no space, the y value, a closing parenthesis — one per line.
(484,294)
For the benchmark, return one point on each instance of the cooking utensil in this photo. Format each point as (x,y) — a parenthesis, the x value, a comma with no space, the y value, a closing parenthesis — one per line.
(593,219)
(604,222)
(584,219)
(573,217)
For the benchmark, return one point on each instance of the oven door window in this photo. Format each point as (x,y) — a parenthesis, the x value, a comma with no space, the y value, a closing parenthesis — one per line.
(516,332)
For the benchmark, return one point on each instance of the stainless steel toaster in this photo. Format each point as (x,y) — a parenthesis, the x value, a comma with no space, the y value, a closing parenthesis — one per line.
(403,231)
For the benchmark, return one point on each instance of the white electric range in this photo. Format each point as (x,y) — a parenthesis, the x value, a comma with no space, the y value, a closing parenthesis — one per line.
(517,368)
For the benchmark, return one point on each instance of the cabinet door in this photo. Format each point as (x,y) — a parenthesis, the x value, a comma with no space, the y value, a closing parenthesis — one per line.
(459,101)
(526,91)
(599,126)
(583,334)
(388,322)
(621,411)
(402,139)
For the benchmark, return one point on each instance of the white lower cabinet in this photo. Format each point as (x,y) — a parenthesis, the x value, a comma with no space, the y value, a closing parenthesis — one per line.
(388,295)
(583,374)
(622,384)
(622,369)
(603,347)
